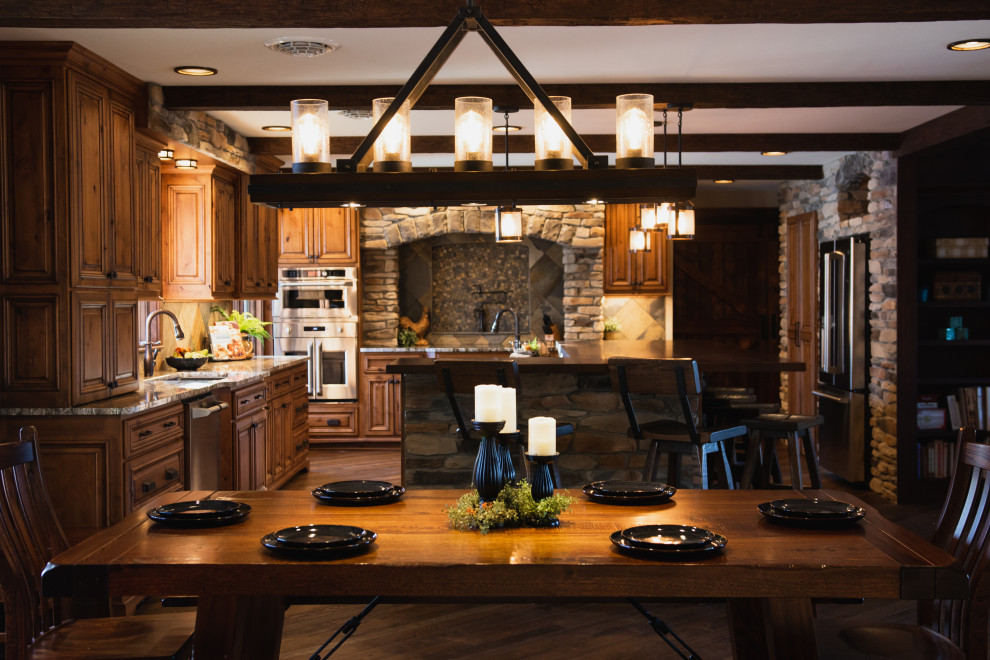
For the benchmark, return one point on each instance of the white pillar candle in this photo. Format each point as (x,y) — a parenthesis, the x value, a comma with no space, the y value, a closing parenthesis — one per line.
(542,436)
(488,403)
(509,409)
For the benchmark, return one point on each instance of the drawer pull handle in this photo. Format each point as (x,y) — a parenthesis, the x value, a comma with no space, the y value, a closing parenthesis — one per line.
(244,402)
(258,396)
(333,422)
(285,405)
(299,447)
(145,433)
(169,424)
(148,486)
(171,473)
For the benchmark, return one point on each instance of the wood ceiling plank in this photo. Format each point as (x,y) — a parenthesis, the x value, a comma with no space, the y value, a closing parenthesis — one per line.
(600,96)
(429,13)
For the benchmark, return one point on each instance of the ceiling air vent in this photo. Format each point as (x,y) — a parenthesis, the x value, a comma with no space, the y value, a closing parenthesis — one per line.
(302,46)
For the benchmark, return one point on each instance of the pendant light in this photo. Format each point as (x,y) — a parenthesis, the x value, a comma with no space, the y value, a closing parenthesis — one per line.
(393,148)
(472,134)
(682,227)
(310,136)
(639,240)
(553,149)
(508,224)
(634,131)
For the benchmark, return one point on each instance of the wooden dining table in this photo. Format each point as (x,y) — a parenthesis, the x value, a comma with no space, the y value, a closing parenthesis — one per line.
(767,574)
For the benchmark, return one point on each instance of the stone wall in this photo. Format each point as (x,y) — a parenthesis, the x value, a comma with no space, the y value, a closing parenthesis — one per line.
(843,211)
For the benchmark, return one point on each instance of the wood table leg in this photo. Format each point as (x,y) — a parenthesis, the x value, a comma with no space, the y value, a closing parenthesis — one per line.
(238,627)
(772,628)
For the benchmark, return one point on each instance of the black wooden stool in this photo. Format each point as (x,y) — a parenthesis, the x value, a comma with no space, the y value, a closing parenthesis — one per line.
(764,431)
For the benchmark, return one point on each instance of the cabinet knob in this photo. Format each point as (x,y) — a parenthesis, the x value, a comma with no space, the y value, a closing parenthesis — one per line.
(226,282)
(148,486)
(171,473)
(257,283)
(254,425)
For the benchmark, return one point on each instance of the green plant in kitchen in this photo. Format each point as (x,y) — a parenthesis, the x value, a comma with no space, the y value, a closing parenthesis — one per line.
(249,324)
(407,337)
(612,324)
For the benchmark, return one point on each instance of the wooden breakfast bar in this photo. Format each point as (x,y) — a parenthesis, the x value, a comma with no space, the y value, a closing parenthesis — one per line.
(768,574)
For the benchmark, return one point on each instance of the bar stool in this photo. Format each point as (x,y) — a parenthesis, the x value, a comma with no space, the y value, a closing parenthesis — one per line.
(764,431)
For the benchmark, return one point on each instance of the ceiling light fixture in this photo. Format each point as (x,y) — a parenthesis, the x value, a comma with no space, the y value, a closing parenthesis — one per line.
(277,129)
(185,163)
(166,154)
(508,128)
(195,70)
(682,222)
(508,224)
(310,136)
(302,46)
(593,180)
(639,240)
(969,44)
(773,153)
(723,180)
(393,148)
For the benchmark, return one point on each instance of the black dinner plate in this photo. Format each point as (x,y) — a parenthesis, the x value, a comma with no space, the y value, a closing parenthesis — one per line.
(668,536)
(386,497)
(237,515)
(813,508)
(198,509)
(642,500)
(322,537)
(348,543)
(629,488)
(668,552)
(810,523)
(357,488)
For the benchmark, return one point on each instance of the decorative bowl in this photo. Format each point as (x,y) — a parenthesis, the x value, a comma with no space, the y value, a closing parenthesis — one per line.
(186,364)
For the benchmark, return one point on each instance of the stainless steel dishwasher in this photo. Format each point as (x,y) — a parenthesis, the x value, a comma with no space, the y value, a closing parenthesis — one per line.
(207,427)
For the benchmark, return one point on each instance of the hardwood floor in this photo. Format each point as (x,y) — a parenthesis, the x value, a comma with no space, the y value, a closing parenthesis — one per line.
(609,630)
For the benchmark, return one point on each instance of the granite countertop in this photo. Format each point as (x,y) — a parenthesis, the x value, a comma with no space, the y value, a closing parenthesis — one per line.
(429,350)
(171,386)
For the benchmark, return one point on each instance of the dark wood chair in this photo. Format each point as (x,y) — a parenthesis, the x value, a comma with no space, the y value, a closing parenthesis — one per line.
(679,378)
(946,629)
(39,627)
(761,456)
(459,377)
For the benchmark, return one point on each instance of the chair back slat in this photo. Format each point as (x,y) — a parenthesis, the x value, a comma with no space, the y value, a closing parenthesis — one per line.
(459,377)
(963,531)
(29,537)
(661,377)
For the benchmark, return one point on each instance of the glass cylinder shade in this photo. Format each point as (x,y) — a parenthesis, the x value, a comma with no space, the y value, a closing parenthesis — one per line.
(682,228)
(639,240)
(634,131)
(472,134)
(553,148)
(508,224)
(648,217)
(665,215)
(310,136)
(393,147)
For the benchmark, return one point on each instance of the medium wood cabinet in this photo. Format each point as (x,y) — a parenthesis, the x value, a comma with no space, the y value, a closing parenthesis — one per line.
(381,396)
(148,209)
(320,236)
(250,446)
(257,258)
(198,226)
(627,273)
(104,344)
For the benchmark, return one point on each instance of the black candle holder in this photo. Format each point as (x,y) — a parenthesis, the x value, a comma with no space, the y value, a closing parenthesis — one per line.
(505,441)
(542,481)
(487,475)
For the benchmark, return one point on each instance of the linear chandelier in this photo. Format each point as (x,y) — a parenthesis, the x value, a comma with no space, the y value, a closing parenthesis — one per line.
(392,182)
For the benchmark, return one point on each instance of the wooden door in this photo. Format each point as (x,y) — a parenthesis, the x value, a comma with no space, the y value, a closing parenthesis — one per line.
(91,331)
(802,306)
(147,200)
(187,237)
(279,434)
(726,288)
(626,273)
(249,451)
(378,405)
(88,161)
(335,236)
(123,342)
(122,237)
(295,228)
(224,235)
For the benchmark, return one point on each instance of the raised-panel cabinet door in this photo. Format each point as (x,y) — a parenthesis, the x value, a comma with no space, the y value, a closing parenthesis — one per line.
(224,234)
(33,350)
(802,265)
(260,468)
(27,159)
(186,238)
(295,228)
(377,417)
(268,219)
(334,231)
(88,161)
(148,211)
(618,268)
(122,238)
(653,266)
(91,332)
(243,454)
(123,350)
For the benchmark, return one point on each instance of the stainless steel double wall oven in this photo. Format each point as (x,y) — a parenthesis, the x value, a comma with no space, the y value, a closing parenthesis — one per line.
(315,314)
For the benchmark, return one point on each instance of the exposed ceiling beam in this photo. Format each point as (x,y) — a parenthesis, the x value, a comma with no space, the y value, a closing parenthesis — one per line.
(430,13)
(598,96)
(702,142)
(760,172)
(942,129)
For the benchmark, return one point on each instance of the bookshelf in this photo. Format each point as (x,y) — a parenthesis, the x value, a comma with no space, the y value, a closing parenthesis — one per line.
(943,193)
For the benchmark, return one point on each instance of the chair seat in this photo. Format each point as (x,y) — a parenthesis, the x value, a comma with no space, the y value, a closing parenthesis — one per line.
(671,430)
(150,637)
(727,399)
(716,392)
(783,423)
(903,641)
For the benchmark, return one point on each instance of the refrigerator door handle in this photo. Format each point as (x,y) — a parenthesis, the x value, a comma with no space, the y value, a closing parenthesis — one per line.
(831,397)
(834,313)
(826,358)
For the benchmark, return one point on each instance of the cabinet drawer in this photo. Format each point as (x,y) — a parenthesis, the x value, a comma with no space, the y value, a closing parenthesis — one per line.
(154,474)
(300,408)
(279,384)
(248,399)
(299,378)
(333,419)
(376,362)
(152,429)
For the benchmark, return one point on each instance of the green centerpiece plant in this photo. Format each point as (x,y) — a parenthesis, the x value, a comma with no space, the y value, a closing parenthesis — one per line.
(514,507)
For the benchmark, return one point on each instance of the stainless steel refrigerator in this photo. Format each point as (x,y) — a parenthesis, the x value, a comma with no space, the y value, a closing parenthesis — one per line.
(843,440)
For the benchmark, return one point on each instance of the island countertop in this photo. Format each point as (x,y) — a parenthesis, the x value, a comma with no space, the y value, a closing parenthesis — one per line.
(593,356)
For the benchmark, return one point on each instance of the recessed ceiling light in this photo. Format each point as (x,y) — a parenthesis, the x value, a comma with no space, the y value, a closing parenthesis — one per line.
(969,44)
(773,153)
(277,129)
(352,205)
(195,70)
(594,201)
(506,129)
(302,46)
(724,180)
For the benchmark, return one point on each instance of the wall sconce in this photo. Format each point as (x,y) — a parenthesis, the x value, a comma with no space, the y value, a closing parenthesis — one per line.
(682,227)
(472,134)
(639,240)
(393,147)
(634,131)
(185,163)
(553,149)
(310,136)
(508,224)
(166,154)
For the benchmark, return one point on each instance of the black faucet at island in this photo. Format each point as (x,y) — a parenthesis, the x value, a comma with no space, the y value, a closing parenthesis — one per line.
(151,347)
(517,344)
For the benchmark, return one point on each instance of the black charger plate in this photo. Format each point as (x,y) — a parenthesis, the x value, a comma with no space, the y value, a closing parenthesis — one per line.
(357,488)
(228,518)
(386,497)
(347,542)
(809,523)
(659,497)
(813,508)
(668,553)
(668,536)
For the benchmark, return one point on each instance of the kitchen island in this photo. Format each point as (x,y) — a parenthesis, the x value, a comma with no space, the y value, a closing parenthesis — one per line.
(573,388)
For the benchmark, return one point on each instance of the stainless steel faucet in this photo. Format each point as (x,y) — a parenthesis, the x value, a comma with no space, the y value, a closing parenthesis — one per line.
(517,344)
(151,348)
